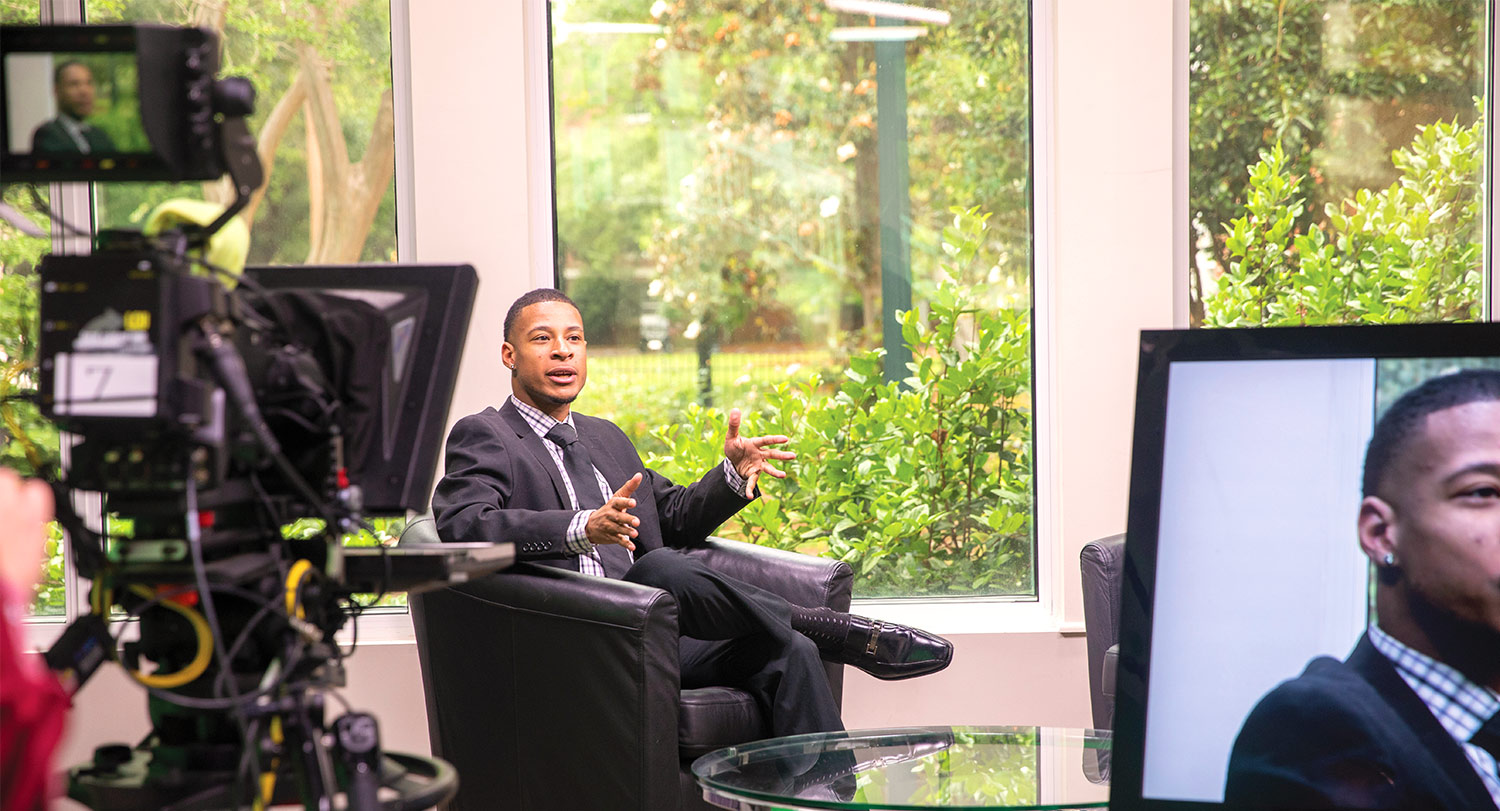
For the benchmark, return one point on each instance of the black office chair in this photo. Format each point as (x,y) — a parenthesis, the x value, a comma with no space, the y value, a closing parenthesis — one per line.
(549,689)
(1103,564)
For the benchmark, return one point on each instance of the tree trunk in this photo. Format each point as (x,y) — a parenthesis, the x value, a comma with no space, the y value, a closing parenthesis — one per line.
(343,197)
(347,194)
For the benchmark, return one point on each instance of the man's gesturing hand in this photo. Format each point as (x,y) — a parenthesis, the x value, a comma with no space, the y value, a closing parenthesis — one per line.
(611,523)
(752,456)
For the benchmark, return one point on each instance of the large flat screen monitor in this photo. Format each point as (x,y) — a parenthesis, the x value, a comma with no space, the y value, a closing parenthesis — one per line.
(1243,556)
(423,313)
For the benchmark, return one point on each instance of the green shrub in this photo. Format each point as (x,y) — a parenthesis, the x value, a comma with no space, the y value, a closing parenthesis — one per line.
(1410,252)
(922,486)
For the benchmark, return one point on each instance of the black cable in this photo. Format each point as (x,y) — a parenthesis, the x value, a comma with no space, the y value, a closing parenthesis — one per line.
(325,767)
(229,368)
(265,610)
(200,574)
(248,762)
(353,633)
(245,700)
(43,205)
(87,545)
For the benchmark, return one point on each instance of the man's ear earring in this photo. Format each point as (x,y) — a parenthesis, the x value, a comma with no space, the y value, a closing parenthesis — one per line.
(1389,559)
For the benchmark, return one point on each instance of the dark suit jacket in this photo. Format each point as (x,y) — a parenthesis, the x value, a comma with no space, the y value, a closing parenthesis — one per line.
(1350,735)
(500,484)
(53,138)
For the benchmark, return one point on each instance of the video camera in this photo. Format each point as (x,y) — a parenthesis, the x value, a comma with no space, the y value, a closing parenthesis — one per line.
(212,409)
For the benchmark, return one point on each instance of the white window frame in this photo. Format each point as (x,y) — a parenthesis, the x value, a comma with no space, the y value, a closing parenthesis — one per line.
(951,615)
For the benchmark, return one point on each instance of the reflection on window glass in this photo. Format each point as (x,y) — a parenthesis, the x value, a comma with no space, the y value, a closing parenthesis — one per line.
(746,197)
(323,121)
(1337,159)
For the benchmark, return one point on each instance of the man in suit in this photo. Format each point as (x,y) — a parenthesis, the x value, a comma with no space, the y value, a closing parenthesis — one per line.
(571,491)
(1411,719)
(68,133)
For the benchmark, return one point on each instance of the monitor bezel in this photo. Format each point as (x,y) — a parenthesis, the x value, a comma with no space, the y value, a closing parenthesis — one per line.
(1159,349)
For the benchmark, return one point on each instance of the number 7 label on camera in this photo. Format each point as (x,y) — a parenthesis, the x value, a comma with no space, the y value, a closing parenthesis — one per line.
(105,384)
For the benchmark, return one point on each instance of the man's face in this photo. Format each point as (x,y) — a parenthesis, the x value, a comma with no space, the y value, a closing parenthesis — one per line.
(549,356)
(1444,493)
(75,91)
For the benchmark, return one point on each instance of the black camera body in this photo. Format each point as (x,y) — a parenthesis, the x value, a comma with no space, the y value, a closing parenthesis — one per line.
(117,365)
(210,410)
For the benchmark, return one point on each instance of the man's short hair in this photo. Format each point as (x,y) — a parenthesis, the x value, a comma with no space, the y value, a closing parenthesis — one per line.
(57,72)
(1406,416)
(536,296)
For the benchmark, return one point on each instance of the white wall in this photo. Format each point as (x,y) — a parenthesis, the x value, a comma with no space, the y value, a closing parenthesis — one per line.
(1112,164)
(28,96)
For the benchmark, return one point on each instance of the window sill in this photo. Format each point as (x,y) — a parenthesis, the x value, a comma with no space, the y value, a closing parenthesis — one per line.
(955,616)
(984,615)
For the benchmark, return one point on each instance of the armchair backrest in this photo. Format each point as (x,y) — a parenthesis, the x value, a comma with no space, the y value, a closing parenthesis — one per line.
(532,675)
(549,689)
(1102,563)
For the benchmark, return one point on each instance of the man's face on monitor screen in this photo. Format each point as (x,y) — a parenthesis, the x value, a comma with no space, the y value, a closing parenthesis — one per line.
(1443,492)
(75,91)
(548,356)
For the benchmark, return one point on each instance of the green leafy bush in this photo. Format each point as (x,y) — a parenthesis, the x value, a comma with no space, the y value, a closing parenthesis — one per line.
(1410,252)
(923,486)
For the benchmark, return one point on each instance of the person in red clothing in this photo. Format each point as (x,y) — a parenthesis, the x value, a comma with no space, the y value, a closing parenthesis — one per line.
(33,705)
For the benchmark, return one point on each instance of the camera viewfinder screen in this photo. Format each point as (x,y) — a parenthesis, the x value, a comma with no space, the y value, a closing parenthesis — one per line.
(73,107)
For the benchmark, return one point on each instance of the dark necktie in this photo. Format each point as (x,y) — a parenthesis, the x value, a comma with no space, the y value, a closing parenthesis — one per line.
(1488,736)
(580,469)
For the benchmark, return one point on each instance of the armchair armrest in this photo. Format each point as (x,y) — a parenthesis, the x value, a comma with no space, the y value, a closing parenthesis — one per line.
(539,668)
(799,579)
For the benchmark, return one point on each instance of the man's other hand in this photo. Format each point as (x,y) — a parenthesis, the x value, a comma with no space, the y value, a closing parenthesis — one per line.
(752,456)
(611,523)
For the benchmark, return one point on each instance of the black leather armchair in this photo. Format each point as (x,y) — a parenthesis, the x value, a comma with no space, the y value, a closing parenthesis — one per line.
(548,689)
(1103,565)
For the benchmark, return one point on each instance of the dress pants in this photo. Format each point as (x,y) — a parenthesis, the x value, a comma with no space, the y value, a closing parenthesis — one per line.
(738,635)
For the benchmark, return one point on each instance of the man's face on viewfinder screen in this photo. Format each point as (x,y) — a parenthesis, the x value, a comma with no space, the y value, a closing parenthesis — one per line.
(75,91)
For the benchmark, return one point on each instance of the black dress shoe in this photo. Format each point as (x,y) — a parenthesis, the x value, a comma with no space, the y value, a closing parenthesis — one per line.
(829,777)
(885,650)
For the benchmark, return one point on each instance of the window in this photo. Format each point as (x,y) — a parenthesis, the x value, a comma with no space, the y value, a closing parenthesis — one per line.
(746,197)
(1337,161)
(325,126)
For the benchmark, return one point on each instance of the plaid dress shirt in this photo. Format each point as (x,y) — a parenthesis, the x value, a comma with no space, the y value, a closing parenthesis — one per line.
(1460,705)
(576,540)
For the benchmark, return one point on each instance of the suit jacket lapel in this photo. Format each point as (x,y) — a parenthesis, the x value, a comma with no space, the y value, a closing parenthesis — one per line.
(1372,665)
(539,452)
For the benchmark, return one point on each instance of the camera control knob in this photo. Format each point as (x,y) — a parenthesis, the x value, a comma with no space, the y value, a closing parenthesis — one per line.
(110,757)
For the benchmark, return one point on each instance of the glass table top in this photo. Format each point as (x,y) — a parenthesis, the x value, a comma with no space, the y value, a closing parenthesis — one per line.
(1016,768)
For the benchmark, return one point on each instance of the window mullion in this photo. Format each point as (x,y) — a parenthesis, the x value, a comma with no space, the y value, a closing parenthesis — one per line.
(1487,266)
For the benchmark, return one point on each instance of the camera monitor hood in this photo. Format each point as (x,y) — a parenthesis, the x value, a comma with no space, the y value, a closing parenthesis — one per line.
(423,313)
